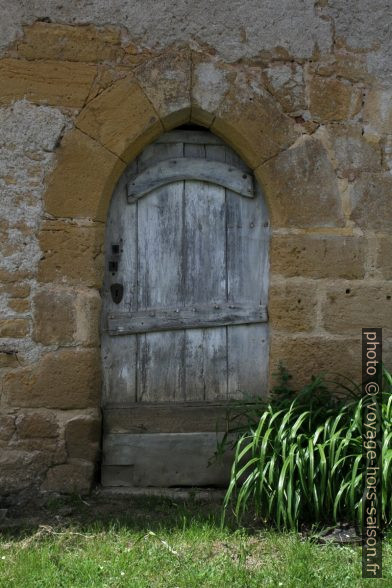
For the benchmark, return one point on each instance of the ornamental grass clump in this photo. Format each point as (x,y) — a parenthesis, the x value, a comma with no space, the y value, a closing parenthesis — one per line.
(298,459)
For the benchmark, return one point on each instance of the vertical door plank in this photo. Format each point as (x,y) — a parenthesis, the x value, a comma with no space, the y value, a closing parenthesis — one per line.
(205,282)
(119,354)
(247,274)
(160,236)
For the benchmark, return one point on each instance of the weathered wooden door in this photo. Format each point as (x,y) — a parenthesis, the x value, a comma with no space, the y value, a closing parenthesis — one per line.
(184,310)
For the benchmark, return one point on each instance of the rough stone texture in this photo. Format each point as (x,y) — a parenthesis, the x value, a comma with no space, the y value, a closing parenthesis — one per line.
(85,86)
(286,82)
(45,82)
(7,427)
(82,182)
(63,379)
(333,100)
(348,308)
(301,187)
(244,30)
(318,256)
(121,118)
(292,306)
(249,120)
(36,425)
(371,202)
(71,254)
(378,111)
(71,478)
(384,257)
(210,83)
(54,317)
(82,435)
(354,153)
(312,355)
(49,41)
(166,81)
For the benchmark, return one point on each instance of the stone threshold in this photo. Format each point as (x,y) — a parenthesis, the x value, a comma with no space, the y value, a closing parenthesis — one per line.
(197,494)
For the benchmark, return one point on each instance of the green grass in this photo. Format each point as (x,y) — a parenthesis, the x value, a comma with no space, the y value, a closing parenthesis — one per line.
(158,543)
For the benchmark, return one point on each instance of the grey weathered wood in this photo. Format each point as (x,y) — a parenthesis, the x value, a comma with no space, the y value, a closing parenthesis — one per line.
(193,168)
(166,418)
(173,319)
(184,245)
(167,459)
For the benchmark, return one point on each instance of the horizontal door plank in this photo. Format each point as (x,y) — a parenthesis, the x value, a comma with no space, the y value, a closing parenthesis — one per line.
(152,418)
(193,137)
(200,316)
(164,460)
(190,168)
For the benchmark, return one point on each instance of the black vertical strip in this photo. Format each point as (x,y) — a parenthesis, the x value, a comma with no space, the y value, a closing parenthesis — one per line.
(372,393)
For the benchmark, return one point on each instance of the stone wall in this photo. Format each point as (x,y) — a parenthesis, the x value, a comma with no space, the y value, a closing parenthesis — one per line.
(302,90)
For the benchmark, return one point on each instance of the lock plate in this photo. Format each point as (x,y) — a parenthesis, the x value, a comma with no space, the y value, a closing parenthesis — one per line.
(117,292)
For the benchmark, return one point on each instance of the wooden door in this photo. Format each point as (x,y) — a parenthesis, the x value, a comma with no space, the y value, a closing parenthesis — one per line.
(184,321)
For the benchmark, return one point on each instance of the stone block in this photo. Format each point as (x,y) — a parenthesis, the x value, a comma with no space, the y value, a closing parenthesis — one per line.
(46,82)
(333,100)
(377,112)
(70,478)
(250,121)
(210,83)
(83,180)
(71,254)
(122,119)
(35,424)
(54,317)
(8,358)
(166,81)
(318,256)
(301,187)
(349,308)
(64,379)
(286,82)
(14,328)
(83,436)
(312,355)
(384,257)
(354,153)
(292,306)
(7,427)
(371,202)
(52,41)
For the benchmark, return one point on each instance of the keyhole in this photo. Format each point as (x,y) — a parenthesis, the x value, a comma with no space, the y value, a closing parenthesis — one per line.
(117,291)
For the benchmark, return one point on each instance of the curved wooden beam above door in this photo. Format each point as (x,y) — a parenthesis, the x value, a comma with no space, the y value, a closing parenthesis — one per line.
(190,168)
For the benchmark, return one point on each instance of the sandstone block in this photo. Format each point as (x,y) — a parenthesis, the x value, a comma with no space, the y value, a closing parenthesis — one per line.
(82,182)
(315,256)
(312,355)
(292,306)
(54,317)
(333,100)
(19,305)
(52,41)
(71,254)
(33,425)
(88,308)
(82,436)
(14,328)
(250,121)
(348,309)
(64,379)
(45,82)
(121,118)
(371,202)
(301,187)
(166,81)
(70,478)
